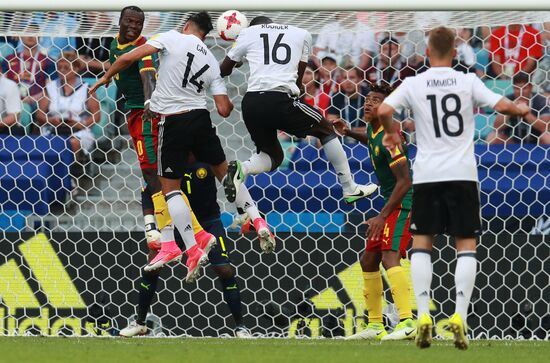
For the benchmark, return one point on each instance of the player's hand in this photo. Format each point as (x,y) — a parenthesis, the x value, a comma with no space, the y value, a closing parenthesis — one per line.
(391,141)
(376,225)
(524,109)
(147,113)
(341,127)
(100,82)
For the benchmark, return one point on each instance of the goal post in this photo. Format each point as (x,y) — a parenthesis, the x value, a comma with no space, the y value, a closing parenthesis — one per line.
(72,233)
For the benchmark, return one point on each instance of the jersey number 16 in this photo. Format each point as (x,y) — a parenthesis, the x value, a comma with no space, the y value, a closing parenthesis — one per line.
(278,44)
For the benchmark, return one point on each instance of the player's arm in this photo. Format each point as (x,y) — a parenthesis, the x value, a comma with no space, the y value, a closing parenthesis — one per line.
(123,62)
(395,102)
(234,57)
(226,68)
(507,107)
(223,105)
(401,172)
(301,69)
(343,129)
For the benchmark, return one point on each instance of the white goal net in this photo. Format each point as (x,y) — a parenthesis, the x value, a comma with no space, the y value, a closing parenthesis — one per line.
(73,245)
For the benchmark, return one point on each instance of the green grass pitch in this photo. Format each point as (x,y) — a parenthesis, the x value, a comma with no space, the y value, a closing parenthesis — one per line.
(163,350)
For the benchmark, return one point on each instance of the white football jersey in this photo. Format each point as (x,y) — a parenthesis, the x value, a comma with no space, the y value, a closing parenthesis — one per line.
(442,101)
(273,52)
(187,69)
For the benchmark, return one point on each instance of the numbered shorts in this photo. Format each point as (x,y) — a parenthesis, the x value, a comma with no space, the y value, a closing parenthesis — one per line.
(185,133)
(145,138)
(219,254)
(395,235)
(450,207)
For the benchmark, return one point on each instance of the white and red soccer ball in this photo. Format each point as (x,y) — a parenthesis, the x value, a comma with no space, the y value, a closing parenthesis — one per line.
(230,24)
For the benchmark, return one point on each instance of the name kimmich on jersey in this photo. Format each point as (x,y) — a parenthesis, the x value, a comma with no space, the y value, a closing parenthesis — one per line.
(442,101)
(187,69)
(273,52)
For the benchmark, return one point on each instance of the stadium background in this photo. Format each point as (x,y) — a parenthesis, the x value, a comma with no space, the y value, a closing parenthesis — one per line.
(312,286)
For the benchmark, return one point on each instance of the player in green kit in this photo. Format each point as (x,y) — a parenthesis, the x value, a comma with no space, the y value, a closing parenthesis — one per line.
(388,235)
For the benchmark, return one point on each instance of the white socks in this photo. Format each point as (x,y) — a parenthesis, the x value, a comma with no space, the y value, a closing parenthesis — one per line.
(181,217)
(167,234)
(245,202)
(421,272)
(465,277)
(258,163)
(337,156)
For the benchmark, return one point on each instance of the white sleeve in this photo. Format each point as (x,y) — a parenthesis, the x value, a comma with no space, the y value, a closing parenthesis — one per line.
(483,96)
(13,100)
(217,87)
(239,48)
(160,41)
(307,50)
(398,98)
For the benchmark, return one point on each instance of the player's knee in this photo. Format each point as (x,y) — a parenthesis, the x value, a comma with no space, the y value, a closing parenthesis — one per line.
(326,138)
(277,156)
(224,272)
(151,178)
(390,259)
(370,261)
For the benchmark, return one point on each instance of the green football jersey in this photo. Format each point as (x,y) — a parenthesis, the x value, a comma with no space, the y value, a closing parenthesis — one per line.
(128,81)
(382,161)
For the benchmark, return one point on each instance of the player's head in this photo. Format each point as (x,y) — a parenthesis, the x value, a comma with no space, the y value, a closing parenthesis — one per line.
(441,45)
(377,94)
(199,24)
(131,23)
(352,83)
(522,86)
(260,20)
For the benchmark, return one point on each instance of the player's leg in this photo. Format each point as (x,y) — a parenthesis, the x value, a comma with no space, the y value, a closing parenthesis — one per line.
(175,136)
(396,238)
(373,290)
(257,115)
(207,148)
(465,224)
(301,120)
(428,217)
(147,287)
(219,260)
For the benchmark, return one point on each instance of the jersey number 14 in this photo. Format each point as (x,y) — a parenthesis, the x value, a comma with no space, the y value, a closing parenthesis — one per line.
(195,78)
(447,112)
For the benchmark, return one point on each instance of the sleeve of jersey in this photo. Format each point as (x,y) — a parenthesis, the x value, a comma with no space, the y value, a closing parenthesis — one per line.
(398,98)
(146,64)
(217,87)
(395,156)
(238,50)
(483,96)
(307,47)
(159,41)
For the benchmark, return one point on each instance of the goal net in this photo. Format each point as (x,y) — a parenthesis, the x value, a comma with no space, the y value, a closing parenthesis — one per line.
(73,244)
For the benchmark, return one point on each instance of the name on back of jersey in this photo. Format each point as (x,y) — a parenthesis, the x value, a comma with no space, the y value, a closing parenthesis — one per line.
(276,27)
(201,49)
(448,82)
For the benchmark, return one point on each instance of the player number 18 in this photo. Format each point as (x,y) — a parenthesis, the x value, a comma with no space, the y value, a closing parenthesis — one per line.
(447,112)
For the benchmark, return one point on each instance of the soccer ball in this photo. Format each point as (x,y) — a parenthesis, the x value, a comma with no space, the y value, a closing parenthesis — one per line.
(230,24)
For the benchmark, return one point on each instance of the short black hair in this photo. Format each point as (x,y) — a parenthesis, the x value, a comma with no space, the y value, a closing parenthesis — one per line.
(521,77)
(382,88)
(389,39)
(261,20)
(132,8)
(202,20)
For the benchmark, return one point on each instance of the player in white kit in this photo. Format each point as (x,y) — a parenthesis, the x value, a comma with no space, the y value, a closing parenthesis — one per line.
(187,69)
(445,180)
(278,55)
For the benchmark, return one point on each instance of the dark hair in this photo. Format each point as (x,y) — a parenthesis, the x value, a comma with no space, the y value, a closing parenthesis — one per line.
(261,20)
(383,88)
(520,77)
(202,20)
(358,71)
(389,39)
(132,8)
(441,41)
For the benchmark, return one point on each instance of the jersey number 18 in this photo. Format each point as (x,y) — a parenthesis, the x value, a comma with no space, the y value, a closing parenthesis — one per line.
(447,112)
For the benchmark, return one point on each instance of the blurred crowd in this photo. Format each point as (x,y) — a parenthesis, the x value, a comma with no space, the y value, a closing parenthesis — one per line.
(44,80)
